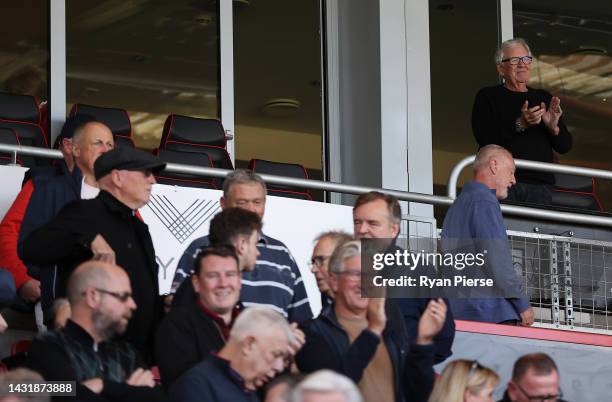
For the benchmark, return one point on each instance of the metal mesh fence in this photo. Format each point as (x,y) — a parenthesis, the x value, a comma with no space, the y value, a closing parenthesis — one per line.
(568,280)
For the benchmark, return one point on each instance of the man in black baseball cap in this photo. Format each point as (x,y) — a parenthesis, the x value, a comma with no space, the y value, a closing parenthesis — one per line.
(106,228)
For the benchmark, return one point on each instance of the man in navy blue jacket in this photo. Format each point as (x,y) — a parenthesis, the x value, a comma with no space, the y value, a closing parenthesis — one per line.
(377,216)
(476,217)
(257,349)
(366,340)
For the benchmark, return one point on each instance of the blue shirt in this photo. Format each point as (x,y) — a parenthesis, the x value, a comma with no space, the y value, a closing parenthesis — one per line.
(276,281)
(476,214)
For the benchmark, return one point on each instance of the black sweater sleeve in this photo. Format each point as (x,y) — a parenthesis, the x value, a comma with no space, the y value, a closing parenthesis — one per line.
(318,354)
(122,392)
(176,348)
(487,123)
(418,373)
(53,364)
(68,235)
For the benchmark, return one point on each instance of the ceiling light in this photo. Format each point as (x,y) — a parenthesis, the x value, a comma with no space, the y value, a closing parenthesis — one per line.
(281,107)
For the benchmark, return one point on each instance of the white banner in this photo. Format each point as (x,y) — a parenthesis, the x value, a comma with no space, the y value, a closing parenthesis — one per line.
(178,215)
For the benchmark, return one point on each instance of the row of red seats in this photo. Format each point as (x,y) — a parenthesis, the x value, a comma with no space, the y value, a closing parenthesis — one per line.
(184,140)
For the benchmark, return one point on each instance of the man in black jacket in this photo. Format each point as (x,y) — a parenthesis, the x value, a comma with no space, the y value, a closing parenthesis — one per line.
(347,337)
(189,333)
(101,300)
(107,229)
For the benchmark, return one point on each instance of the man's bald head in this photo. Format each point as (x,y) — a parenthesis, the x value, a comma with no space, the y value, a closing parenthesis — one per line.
(486,153)
(91,274)
(494,167)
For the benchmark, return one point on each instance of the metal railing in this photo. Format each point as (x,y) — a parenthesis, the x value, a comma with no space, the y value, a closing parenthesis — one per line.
(567,217)
(530,165)
(536,212)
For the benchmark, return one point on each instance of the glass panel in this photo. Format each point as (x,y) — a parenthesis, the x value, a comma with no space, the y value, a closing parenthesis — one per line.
(572,43)
(151,58)
(24,51)
(463,39)
(277,64)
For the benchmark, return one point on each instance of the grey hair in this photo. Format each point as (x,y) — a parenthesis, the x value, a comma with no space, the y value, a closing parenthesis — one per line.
(338,236)
(241,176)
(326,381)
(486,153)
(341,253)
(256,320)
(499,54)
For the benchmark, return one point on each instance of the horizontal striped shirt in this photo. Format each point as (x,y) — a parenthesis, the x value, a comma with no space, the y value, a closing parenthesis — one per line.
(275,282)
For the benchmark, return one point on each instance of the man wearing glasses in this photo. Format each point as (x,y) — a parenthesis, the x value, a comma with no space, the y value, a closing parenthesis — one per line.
(325,245)
(535,378)
(100,296)
(525,121)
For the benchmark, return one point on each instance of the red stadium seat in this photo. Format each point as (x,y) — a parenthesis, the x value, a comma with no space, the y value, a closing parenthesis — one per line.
(21,114)
(190,134)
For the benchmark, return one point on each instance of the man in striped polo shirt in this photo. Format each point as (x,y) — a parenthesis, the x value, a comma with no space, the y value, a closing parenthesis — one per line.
(276,281)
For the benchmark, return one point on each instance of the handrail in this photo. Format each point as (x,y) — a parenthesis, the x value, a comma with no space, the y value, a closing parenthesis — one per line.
(530,165)
(273,179)
(347,189)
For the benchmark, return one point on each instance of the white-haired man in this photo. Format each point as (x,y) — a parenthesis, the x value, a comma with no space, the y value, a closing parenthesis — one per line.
(526,121)
(326,386)
(257,350)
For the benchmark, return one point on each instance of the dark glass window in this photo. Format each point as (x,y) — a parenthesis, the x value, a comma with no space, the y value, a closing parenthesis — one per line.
(151,58)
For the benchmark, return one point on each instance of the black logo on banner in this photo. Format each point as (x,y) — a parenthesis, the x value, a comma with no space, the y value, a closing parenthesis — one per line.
(182,224)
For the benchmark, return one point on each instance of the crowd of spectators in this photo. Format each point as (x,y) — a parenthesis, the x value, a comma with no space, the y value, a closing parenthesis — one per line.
(238,325)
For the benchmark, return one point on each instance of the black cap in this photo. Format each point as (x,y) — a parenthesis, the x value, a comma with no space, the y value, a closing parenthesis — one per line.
(126,158)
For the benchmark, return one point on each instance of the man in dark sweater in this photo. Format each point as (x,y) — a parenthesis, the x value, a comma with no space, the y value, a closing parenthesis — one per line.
(101,300)
(189,333)
(257,349)
(525,121)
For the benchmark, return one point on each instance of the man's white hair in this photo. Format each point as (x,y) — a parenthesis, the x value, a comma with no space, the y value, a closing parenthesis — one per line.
(256,320)
(323,381)
(341,253)
(499,54)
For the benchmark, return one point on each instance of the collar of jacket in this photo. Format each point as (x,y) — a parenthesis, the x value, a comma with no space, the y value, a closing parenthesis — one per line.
(114,205)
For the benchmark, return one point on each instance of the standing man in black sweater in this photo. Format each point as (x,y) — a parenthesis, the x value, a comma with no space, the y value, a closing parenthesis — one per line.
(524,120)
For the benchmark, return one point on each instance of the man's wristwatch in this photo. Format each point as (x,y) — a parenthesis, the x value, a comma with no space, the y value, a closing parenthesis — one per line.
(518,126)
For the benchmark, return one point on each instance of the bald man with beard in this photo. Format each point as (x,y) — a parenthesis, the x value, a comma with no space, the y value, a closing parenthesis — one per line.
(101,300)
